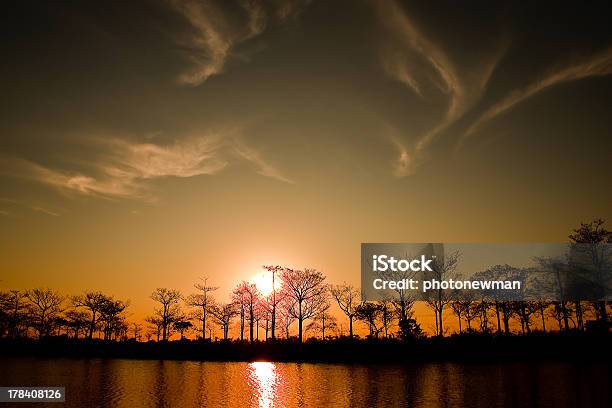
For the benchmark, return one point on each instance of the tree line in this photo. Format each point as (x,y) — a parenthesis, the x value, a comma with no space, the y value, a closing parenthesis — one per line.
(299,297)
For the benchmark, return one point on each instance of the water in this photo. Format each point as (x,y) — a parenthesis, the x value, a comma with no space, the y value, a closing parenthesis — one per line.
(133,383)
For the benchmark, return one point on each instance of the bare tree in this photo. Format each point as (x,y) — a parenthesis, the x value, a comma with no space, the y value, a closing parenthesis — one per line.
(136,329)
(4,313)
(321,323)
(592,252)
(348,298)
(524,310)
(276,297)
(404,301)
(264,314)
(182,326)
(202,300)
(77,320)
(204,303)
(93,302)
(46,305)
(306,289)
(370,313)
(15,307)
(169,311)
(458,308)
(224,314)
(245,295)
(542,306)
(285,315)
(387,309)
(111,317)
(481,308)
(560,312)
(156,324)
(442,268)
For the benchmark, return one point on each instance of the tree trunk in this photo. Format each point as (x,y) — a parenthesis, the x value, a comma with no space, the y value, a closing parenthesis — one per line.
(323,328)
(273,308)
(506,319)
(351,327)
(203,323)
(440,319)
(251,323)
(602,311)
(497,314)
(300,323)
(242,323)
(437,326)
(579,320)
(565,316)
(92,325)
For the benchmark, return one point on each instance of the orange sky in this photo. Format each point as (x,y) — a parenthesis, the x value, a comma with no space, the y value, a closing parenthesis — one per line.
(146,155)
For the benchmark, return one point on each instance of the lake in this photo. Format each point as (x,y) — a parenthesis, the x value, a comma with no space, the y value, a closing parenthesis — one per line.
(133,383)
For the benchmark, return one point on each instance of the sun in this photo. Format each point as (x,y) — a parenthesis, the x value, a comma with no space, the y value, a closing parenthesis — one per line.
(263,281)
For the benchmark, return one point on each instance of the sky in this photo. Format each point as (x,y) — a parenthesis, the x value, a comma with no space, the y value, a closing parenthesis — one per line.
(144,144)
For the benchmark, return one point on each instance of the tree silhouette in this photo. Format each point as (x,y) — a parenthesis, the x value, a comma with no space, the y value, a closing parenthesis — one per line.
(276,297)
(46,305)
(203,301)
(156,324)
(285,314)
(460,306)
(442,268)
(348,298)
(14,305)
(136,329)
(387,309)
(307,291)
(93,302)
(245,295)
(321,323)
(592,253)
(370,313)
(77,320)
(181,326)
(169,312)
(224,314)
(111,319)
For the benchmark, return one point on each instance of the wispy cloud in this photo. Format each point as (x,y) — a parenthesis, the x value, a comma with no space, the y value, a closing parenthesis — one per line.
(404,165)
(287,9)
(215,34)
(45,211)
(253,156)
(121,170)
(187,158)
(18,203)
(465,88)
(598,64)
(396,66)
(412,49)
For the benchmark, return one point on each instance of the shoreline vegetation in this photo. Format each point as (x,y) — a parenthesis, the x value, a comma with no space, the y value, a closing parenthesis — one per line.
(293,311)
(573,346)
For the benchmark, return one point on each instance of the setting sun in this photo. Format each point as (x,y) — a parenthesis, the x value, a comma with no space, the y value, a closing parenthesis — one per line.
(263,281)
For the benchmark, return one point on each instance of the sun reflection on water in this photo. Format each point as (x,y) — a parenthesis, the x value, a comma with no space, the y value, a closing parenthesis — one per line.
(264,378)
